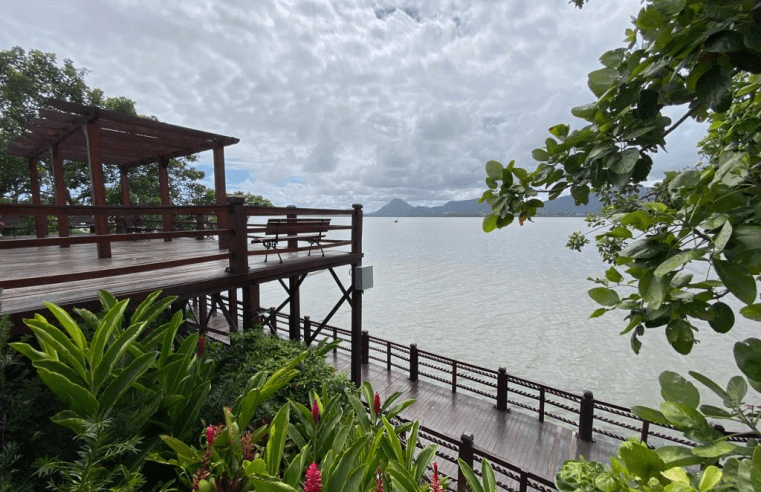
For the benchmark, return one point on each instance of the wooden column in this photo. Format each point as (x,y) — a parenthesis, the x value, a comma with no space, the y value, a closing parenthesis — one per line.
(124,185)
(95,163)
(166,219)
(232,307)
(251,304)
(40,221)
(238,243)
(294,321)
(356,305)
(220,191)
(56,164)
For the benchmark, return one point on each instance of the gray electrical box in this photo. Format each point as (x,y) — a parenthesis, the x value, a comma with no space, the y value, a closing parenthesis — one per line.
(363,277)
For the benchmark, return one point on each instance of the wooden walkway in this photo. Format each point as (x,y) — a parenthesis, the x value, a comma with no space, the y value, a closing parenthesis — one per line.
(520,439)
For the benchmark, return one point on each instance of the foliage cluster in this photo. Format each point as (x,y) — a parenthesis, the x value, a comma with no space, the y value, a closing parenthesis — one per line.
(678,252)
(252,351)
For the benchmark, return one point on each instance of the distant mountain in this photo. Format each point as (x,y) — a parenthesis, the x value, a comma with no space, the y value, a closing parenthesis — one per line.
(563,206)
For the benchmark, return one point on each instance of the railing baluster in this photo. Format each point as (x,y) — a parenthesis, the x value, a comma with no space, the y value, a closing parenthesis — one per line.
(413,362)
(365,346)
(502,389)
(645,431)
(307,330)
(466,454)
(586,416)
(541,403)
(335,337)
(454,376)
(388,356)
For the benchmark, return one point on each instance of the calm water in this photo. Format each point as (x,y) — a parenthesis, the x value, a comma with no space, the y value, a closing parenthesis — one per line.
(514,298)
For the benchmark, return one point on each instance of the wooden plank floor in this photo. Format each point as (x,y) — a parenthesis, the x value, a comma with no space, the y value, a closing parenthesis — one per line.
(516,437)
(185,281)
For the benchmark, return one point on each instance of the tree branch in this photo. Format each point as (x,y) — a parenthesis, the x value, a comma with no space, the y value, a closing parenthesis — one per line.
(681,120)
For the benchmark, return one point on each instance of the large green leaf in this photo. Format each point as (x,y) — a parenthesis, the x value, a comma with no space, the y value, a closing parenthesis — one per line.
(678,260)
(121,383)
(71,394)
(752,312)
(604,296)
(748,357)
(64,348)
(653,289)
(675,388)
(737,279)
(276,442)
(680,335)
(601,80)
(114,354)
(110,322)
(720,317)
(69,325)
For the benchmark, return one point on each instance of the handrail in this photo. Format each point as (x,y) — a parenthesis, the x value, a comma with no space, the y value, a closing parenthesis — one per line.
(569,409)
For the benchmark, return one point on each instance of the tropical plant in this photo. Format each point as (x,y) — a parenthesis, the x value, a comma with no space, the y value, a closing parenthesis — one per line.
(125,380)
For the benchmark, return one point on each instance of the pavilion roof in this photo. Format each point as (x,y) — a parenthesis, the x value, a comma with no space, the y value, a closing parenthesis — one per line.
(124,139)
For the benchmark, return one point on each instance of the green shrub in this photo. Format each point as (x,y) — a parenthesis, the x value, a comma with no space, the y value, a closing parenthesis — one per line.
(253,351)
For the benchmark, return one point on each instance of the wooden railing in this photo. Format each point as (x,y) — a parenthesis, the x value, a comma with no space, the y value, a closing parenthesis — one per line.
(227,222)
(589,417)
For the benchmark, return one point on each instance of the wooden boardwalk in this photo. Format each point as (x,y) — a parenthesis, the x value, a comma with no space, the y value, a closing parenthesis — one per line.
(518,438)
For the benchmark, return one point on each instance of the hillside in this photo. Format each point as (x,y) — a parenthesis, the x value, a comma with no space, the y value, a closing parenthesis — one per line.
(563,206)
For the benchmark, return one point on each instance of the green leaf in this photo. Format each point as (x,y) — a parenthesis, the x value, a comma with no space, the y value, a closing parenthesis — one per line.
(680,336)
(681,416)
(678,260)
(650,414)
(69,325)
(748,357)
(598,312)
(124,380)
(653,289)
(540,155)
(752,312)
(677,389)
(737,388)
(494,169)
(74,396)
(276,442)
(720,317)
(712,386)
(715,412)
(490,222)
(604,296)
(580,194)
(737,279)
(613,275)
(710,478)
(111,321)
(473,483)
(714,449)
(639,219)
(601,80)
(714,88)
(626,163)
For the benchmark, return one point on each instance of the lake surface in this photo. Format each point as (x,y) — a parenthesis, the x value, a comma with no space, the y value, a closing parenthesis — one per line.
(514,298)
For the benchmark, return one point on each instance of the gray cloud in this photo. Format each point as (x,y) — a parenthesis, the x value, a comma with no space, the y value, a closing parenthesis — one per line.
(337,102)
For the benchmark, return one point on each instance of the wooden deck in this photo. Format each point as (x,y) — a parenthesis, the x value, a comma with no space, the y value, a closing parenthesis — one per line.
(80,261)
(538,447)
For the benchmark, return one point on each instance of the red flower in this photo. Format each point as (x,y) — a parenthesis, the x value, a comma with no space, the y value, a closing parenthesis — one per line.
(377,404)
(313,479)
(435,483)
(379,479)
(210,435)
(201,347)
(315,412)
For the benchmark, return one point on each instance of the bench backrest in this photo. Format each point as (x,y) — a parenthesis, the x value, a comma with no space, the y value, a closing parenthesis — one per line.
(293,227)
(12,221)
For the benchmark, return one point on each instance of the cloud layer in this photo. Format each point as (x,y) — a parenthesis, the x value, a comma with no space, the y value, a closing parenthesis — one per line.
(346,101)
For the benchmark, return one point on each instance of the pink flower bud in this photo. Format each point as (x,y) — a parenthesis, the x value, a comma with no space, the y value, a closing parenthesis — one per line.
(201,346)
(435,482)
(379,479)
(210,435)
(313,479)
(376,404)
(315,412)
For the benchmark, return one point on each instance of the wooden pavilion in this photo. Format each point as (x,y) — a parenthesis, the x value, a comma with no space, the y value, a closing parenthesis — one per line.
(206,275)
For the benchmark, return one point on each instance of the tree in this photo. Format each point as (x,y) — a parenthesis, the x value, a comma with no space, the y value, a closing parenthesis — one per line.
(27,80)
(702,58)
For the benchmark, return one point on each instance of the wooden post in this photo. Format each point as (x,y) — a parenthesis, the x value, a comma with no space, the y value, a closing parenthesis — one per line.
(365,346)
(388,356)
(502,389)
(413,362)
(335,337)
(239,243)
(56,164)
(307,330)
(124,185)
(251,306)
(40,221)
(294,319)
(466,454)
(220,191)
(645,431)
(273,321)
(202,311)
(166,218)
(95,163)
(586,416)
(356,305)
(232,307)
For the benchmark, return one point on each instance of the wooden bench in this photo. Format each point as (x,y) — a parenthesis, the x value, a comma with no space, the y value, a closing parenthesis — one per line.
(15,222)
(82,222)
(309,230)
(129,225)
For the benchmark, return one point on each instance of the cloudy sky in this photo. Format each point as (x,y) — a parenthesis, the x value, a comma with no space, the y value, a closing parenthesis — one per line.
(345,101)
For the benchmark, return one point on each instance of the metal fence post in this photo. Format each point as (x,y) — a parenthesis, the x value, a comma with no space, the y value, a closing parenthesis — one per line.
(502,389)
(586,416)
(365,346)
(307,330)
(413,362)
(466,455)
